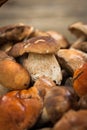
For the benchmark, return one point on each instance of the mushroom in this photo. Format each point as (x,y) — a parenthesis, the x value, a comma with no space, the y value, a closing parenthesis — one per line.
(62,41)
(71,59)
(41,59)
(38,32)
(12,75)
(81,46)
(20,109)
(72,120)
(15,33)
(80,30)
(80,80)
(58,100)
(43,85)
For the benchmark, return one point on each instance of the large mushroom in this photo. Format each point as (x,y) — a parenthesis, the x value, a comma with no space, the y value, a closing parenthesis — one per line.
(12,75)
(71,59)
(41,58)
(80,30)
(20,109)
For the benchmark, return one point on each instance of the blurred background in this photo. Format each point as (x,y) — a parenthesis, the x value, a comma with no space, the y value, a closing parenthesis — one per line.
(45,14)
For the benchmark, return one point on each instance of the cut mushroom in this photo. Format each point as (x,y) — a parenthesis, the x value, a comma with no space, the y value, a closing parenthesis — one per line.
(71,59)
(62,41)
(80,30)
(20,109)
(15,33)
(12,75)
(41,60)
(72,120)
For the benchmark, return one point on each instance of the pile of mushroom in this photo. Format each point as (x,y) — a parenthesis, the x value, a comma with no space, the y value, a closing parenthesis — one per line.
(43,79)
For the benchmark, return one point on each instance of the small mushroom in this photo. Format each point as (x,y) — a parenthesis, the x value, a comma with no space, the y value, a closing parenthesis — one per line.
(41,59)
(80,30)
(62,41)
(58,100)
(12,75)
(20,109)
(71,59)
(43,85)
(15,33)
(72,120)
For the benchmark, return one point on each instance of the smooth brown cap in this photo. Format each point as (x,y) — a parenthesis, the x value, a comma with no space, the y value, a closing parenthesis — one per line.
(78,29)
(40,45)
(12,75)
(20,109)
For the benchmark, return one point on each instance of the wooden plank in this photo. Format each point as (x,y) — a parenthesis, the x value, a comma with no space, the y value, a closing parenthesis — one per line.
(45,15)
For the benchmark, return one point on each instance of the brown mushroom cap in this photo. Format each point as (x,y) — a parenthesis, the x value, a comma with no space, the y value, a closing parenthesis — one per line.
(15,33)
(71,59)
(78,29)
(40,45)
(62,41)
(57,101)
(20,109)
(12,74)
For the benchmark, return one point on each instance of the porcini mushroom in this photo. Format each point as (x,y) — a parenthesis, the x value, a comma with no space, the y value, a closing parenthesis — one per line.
(15,33)
(12,75)
(80,80)
(41,59)
(80,30)
(58,100)
(62,41)
(43,85)
(71,59)
(20,109)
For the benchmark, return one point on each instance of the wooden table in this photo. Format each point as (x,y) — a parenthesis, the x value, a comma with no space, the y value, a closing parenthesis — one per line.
(45,14)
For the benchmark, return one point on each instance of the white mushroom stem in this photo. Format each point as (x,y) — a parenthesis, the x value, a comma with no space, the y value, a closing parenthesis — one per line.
(79,40)
(43,65)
